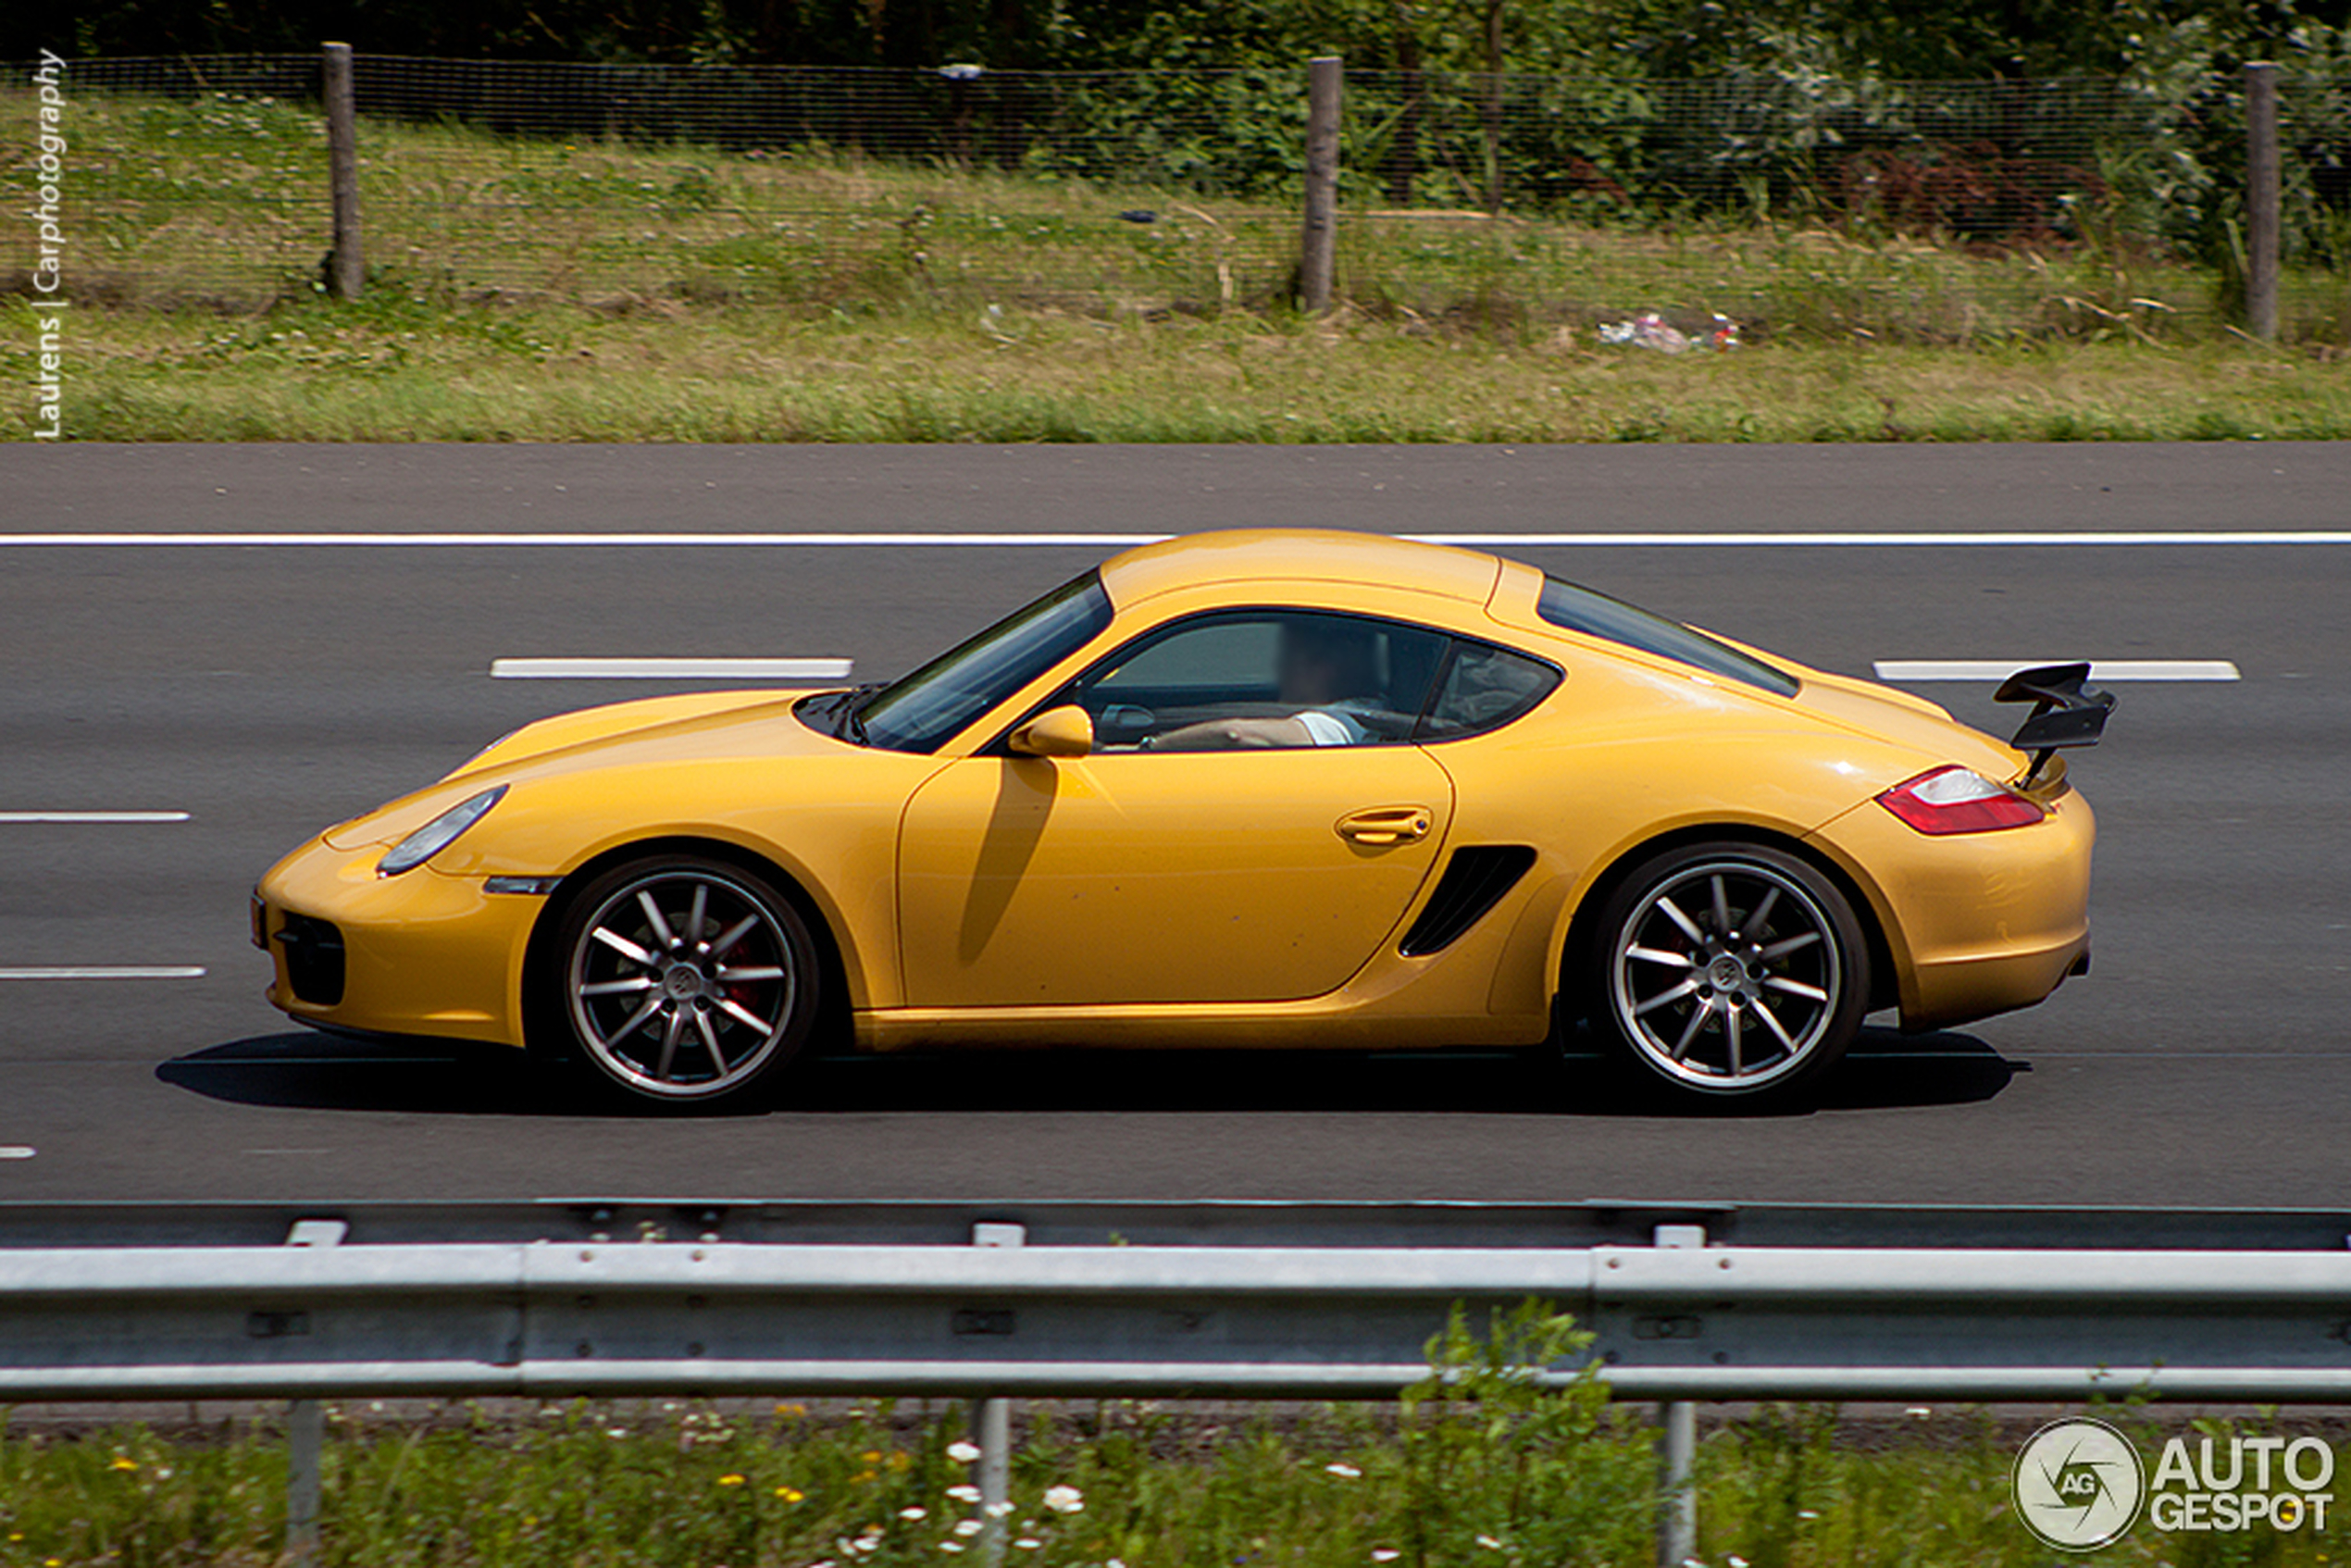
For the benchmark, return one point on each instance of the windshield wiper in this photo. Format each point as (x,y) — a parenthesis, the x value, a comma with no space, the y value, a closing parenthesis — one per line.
(849,722)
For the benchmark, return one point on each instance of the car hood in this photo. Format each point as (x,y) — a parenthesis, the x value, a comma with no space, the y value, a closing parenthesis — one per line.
(706,726)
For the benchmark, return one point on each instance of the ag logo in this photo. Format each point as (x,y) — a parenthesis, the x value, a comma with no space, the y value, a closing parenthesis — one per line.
(2078,1485)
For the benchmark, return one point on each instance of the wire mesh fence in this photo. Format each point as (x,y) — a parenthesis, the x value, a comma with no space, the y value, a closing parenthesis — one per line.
(1931,210)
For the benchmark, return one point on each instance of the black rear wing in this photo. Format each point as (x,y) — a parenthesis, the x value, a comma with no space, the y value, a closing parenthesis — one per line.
(2067,711)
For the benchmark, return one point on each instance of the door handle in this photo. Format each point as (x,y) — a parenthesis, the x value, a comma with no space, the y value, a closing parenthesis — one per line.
(1386,825)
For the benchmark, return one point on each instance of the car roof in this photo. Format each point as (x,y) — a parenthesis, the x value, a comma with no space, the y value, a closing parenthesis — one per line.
(1299,555)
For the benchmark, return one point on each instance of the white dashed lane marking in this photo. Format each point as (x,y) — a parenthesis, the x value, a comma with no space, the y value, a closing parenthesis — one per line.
(2100,669)
(27,819)
(103,971)
(668,669)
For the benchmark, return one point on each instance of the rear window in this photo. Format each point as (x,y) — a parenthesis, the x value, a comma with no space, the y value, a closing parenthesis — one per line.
(1596,615)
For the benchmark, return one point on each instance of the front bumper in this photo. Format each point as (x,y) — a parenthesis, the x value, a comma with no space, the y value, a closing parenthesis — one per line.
(419,953)
(1978,923)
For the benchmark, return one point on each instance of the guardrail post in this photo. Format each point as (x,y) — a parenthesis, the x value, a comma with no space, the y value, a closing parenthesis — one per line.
(307,1433)
(345,272)
(2262,198)
(1677,1447)
(992,1429)
(1318,246)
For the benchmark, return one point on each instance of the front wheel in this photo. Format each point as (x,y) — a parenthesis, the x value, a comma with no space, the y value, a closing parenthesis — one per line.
(685,979)
(1729,969)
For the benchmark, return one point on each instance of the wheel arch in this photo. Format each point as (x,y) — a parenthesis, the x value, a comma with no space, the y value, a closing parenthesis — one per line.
(540,954)
(1580,929)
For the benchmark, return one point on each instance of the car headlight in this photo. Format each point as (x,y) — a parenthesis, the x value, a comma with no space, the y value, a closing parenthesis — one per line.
(438,834)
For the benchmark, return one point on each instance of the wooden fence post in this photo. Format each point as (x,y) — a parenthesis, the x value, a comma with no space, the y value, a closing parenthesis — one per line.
(1317,252)
(2262,198)
(345,270)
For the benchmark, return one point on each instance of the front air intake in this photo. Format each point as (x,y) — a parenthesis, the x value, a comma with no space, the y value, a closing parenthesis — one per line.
(1474,881)
(314,959)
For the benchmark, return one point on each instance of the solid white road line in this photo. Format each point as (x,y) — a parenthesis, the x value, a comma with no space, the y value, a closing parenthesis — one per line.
(1120,541)
(668,669)
(16,1152)
(2100,669)
(72,816)
(104,971)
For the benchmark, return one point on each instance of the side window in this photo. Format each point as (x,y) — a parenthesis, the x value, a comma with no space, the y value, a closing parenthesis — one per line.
(1484,688)
(1255,679)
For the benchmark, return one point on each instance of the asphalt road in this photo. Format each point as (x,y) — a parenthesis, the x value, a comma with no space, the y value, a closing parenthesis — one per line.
(267,689)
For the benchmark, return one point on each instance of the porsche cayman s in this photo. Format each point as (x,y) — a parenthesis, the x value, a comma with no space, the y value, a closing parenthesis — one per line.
(1252,789)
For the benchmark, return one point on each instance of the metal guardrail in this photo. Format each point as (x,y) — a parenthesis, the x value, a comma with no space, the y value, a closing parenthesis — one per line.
(561,1316)
(1334,1301)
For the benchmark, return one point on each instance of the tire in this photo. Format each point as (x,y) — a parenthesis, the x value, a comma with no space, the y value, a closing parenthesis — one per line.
(680,981)
(1686,981)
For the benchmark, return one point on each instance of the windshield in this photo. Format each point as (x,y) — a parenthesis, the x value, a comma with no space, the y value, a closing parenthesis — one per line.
(922,711)
(1596,615)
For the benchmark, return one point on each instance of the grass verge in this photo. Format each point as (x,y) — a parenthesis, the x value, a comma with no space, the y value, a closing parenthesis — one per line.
(393,369)
(587,1485)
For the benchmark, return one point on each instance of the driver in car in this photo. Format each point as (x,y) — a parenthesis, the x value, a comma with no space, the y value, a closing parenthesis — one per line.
(1328,669)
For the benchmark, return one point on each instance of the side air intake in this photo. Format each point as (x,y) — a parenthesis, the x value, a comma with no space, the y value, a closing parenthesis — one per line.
(1475,880)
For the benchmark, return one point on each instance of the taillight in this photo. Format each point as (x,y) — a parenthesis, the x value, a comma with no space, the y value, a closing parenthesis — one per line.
(1958,799)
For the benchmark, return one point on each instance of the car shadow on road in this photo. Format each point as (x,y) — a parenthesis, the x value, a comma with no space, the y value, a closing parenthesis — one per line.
(1885,1071)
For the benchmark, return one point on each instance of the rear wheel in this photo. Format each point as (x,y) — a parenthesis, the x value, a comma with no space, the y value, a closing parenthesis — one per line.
(685,979)
(1729,969)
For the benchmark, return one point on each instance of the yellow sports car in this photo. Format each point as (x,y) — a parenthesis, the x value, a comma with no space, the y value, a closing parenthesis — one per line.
(1251,789)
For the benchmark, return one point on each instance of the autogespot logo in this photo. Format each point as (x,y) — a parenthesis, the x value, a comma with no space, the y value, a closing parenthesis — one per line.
(2078,1485)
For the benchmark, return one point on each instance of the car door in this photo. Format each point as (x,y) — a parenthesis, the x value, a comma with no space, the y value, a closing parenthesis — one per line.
(1136,876)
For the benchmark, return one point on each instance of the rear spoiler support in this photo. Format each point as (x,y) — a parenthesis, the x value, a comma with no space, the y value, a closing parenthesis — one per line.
(2066,711)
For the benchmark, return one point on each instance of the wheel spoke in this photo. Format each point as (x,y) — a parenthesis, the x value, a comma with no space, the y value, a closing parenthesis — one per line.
(1762,909)
(1772,1022)
(619,988)
(742,1016)
(623,946)
(733,934)
(1780,950)
(1731,1033)
(728,977)
(1699,1016)
(1795,988)
(1721,907)
(652,1006)
(710,1040)
(1653,955)
(1673,911)
(1675,993)
(693,920)
(652,914)
(670,1030)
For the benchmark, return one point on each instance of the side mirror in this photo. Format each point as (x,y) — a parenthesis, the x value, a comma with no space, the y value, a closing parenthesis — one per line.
(1057,732)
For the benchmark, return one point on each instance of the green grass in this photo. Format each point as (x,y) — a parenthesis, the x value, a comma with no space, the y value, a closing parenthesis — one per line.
(546,291)
(587,1485)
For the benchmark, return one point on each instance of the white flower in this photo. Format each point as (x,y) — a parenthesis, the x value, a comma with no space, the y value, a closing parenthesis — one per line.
(1922,1412)
(1735,1561)
(1113,1563)
(963,1453)
(616,1431)
(997,1509)
(1808,1514)
(1029,1543)
(950,1546)
(968,1527)
(1385,1554)
(912,1513)
(1344,1472)
(1064,1499)
(1489,1543)
(963,1493)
